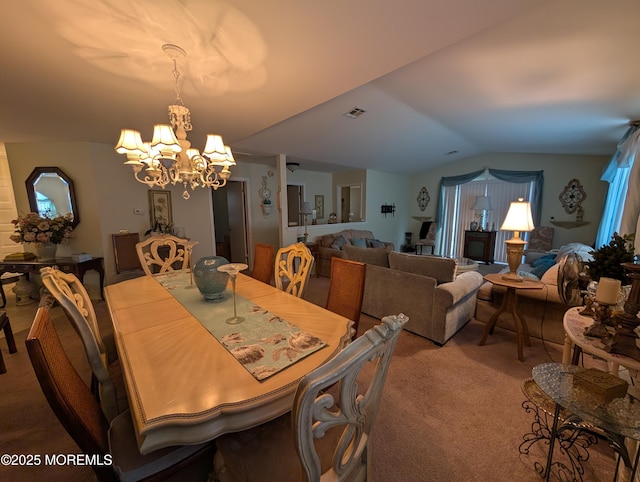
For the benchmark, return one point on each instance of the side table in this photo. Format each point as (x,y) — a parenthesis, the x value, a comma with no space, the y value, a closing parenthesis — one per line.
(615,420)
(576,341)
(510,305)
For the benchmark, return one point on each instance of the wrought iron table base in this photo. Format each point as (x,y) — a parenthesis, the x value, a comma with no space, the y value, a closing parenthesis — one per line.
(573,435)
(573,442)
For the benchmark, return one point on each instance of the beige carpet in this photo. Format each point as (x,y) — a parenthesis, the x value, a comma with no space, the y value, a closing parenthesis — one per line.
(450,413)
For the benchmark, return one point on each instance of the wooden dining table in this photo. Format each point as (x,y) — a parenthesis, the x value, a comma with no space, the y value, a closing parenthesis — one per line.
(183,385)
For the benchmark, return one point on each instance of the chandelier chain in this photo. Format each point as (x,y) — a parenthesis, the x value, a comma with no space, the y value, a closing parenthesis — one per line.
(176,76)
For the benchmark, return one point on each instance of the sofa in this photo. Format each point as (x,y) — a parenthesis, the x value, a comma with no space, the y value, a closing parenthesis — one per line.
(438,300)
(543,309)
(331,245)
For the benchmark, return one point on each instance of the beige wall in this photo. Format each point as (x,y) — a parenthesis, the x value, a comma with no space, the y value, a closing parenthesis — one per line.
(558,171)
(107,195)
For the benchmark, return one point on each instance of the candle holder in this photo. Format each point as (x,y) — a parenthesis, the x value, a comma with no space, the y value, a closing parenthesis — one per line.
(626,323)
(588,305)
(601,317)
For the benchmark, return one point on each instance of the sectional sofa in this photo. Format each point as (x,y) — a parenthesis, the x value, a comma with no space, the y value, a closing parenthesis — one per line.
(331,245)
(438,300)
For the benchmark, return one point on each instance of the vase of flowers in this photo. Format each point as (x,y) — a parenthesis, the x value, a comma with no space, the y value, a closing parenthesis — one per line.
(45,233)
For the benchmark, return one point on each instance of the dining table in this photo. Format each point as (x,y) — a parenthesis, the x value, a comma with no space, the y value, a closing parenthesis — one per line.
(183,384)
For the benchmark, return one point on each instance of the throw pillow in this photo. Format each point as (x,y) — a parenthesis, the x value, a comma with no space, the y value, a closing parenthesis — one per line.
(359,242)
(339,243)
(543,259)
(541,265)
(374,243)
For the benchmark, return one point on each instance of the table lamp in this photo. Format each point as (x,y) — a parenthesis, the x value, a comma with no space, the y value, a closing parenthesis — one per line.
(482,204)
(518,219)
(305,210)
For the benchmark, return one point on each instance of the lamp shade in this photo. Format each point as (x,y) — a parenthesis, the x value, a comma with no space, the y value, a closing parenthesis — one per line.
(483,203)
(306,208)
(215,150)
(518,217)
(164,140)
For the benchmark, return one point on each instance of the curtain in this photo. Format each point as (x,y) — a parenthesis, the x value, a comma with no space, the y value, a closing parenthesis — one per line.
(622,201)
(630,220)
(536,177)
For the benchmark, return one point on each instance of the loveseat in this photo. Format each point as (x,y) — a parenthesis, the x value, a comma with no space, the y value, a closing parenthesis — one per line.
(331,245)
(543,309)
(437,300)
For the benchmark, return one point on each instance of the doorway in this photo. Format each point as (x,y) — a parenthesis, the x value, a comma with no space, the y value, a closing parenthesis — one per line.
(230,221)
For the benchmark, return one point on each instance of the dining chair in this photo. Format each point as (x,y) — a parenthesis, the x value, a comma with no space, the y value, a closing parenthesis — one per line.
(293,267)
(346,289)
(427,236)
(107,383)
(82,417)
(159,254)
(263,262)
(126,257)
(5,325)
(327,435)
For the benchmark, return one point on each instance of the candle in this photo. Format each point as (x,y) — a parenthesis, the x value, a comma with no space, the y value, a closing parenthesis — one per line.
(607,292)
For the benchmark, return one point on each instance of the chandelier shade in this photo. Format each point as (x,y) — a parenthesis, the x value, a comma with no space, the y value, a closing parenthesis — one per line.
(169,157)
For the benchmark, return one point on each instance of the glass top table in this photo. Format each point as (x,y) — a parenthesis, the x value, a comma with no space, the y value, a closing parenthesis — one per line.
(617,419)
(621,415)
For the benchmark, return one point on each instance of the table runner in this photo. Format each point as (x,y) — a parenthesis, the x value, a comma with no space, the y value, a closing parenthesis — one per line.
(263,343)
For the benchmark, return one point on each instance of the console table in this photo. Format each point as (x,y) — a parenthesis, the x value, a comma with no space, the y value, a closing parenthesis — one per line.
(68,265)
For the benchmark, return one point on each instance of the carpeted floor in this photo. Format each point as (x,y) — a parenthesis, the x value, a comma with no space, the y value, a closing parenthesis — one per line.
(447,413)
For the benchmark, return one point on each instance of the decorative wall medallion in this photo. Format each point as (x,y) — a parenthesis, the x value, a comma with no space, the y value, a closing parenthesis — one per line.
(423,199)
(572,196)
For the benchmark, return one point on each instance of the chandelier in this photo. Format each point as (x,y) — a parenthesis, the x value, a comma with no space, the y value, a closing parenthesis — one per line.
(169,158)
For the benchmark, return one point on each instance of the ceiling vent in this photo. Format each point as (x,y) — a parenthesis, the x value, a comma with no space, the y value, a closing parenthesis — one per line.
(354,113)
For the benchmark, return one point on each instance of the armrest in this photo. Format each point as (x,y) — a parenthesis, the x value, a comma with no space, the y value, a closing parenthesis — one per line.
(448,294)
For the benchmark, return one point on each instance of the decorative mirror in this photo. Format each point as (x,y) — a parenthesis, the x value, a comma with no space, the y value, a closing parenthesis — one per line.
(50,192)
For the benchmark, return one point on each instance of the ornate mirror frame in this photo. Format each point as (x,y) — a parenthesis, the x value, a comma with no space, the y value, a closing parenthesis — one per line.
(32,180)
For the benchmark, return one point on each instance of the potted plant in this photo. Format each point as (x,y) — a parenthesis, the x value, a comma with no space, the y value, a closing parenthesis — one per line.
(608,258)
(266,206)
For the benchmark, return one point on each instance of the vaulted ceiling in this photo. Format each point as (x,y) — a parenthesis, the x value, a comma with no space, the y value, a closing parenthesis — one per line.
(439,80)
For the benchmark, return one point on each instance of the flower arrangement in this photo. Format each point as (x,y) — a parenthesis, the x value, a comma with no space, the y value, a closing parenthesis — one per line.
(33,228)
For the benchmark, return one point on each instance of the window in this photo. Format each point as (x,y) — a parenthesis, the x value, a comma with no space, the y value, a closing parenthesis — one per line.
(458,195)
(617,173)
(45,205)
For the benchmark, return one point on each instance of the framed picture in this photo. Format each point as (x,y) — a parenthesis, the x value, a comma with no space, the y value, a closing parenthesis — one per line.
(160,208)
(319,207)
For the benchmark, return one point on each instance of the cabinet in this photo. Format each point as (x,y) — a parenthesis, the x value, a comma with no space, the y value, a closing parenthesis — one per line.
(480,245)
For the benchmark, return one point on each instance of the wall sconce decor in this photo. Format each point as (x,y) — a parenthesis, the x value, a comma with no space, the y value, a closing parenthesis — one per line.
(265,194)
(572,196)
(423,198)
(388,209)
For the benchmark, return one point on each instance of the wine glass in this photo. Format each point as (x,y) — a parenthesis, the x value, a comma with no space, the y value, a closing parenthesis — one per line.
(232,269)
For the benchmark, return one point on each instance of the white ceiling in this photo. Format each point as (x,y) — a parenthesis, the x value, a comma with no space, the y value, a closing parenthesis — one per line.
(434,76)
